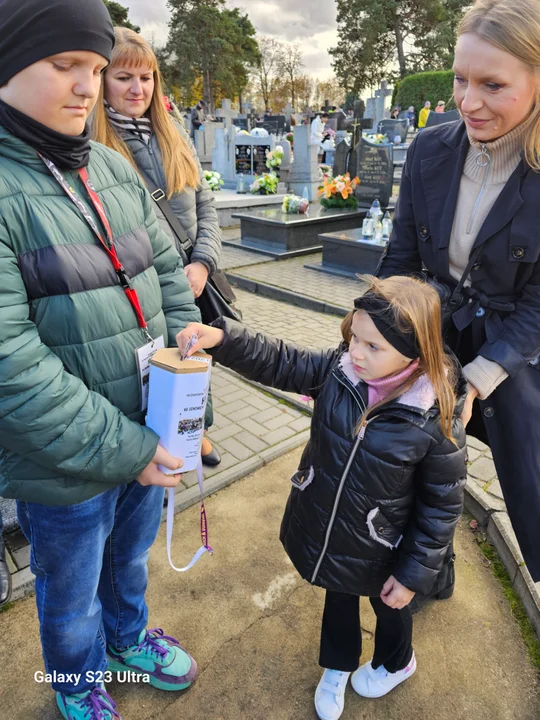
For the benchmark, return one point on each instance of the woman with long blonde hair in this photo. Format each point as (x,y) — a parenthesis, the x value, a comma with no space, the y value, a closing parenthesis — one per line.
(379,490)
(131,118)
(469,213)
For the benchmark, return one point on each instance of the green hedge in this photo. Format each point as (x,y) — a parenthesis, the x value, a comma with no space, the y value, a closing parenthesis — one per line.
(416,89)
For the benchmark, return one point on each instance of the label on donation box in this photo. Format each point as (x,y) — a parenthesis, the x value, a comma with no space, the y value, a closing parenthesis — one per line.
(177,403)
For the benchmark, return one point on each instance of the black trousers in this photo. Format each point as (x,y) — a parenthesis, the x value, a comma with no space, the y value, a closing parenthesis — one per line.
(341,635)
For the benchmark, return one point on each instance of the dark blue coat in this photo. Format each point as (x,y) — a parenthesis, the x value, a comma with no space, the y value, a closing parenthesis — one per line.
(504,309)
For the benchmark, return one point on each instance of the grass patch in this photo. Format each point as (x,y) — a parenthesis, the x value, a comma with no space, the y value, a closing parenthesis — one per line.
(526,628)
(6,607)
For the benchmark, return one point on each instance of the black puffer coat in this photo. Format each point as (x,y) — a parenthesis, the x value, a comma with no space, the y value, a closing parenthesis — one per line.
(372,506)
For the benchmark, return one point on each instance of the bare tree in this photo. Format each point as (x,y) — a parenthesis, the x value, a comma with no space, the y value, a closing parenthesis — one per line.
(290,64)
(267,70)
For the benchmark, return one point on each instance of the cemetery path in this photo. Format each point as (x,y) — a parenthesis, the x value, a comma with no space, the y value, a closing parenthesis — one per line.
(254,626)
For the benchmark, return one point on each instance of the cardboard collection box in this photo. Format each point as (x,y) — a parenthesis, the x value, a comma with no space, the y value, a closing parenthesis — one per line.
(177,402)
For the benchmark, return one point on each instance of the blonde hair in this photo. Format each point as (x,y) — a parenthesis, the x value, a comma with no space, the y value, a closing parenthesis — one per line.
(417,308)
(180,168)
(512,26)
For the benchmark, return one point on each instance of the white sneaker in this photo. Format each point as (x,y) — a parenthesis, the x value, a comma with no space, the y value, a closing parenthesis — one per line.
(371,683)
(330,694)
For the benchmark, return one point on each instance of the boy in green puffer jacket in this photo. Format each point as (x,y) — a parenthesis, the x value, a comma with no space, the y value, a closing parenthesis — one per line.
(74,450)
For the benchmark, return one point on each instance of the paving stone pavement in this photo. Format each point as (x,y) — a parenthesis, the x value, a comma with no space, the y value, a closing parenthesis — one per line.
(292,277)
(237,257)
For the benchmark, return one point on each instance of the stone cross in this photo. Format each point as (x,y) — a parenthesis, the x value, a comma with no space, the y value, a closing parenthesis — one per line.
(380,102)
(226,112)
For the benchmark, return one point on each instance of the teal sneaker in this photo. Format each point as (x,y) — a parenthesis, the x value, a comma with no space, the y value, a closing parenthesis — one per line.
(93,704)
(159,657)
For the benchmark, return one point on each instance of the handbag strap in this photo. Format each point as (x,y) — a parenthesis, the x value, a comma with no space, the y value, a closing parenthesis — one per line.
(185,246)
(472,260)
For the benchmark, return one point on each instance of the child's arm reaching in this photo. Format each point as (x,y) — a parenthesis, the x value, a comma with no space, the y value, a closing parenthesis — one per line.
(440,482)
(259,357)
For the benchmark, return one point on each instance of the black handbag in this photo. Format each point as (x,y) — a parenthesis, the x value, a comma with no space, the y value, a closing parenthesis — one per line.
(218,298)
(452,299)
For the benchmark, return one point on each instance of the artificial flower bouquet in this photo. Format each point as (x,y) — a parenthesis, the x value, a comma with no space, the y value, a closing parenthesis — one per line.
(294,204)
(214,180)
(266,184)
(338,192)
(274,158)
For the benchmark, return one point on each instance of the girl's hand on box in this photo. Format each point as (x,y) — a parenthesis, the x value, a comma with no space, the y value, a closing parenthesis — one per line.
(396,595)
(208,337)
(152,475)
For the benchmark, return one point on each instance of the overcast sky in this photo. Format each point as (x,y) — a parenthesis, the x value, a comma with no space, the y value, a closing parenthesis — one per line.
(310,23)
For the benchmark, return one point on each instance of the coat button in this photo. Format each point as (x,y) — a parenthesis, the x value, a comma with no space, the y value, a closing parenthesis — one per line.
(476,267)
(534,362)
(424,232)
(489,412)
(480,312)
(380,530)
(518,253)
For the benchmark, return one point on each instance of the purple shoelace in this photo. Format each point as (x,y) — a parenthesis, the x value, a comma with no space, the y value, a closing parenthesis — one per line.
(98,701)
(151,638)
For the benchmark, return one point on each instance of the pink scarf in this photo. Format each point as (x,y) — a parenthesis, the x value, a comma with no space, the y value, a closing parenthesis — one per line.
(381,388)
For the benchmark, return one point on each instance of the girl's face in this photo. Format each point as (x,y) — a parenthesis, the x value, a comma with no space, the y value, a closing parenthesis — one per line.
(59,92)
(494,90)
(373,357)
(129,90)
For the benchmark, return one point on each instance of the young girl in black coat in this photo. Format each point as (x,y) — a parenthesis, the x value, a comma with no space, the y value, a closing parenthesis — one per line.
(379,490)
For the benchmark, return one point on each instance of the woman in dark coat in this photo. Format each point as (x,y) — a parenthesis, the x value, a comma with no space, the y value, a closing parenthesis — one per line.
(469,206)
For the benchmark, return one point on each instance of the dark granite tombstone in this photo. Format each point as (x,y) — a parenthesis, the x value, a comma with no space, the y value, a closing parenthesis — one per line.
(347,253)
(241,123)
(359,108)
(277,121)
(341,157)
(439,118)
(393,128)
(243,159)
(274,233)
(375,170)
(259,159)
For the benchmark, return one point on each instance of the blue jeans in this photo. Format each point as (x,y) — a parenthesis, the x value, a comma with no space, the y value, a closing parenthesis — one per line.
(90,563)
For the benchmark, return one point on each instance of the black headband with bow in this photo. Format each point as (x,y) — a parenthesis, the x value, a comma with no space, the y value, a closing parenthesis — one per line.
(382,314)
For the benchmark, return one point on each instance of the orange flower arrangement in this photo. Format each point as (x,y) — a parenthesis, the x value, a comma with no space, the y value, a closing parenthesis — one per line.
(339,191)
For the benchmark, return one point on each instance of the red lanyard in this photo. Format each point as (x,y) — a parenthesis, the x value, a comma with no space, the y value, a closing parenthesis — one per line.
(109,248)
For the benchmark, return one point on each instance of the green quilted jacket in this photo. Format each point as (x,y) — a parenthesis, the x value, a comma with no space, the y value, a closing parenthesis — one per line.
(70,420)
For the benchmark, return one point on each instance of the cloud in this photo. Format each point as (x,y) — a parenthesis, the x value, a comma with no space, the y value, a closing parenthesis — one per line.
(310,23)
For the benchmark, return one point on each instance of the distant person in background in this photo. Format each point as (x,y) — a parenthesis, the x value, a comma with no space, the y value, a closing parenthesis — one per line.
(317,132)
(411,116)
(440,106)
(394,115)
(423,115)
(198,116)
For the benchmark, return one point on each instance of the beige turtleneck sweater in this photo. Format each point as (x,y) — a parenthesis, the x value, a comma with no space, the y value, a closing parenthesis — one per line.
(469,217)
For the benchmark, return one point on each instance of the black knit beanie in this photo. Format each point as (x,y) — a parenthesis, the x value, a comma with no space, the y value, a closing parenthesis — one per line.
(31,30)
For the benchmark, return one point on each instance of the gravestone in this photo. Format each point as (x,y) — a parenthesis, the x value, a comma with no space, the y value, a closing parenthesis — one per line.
(375,170)
(359,109)
(439,118)
(348,254)
(223,156)
(205,140)
(226,112)
(241,123)
(304,169)
(276,122)
(393,128)
(288,111)
(341,158)
(380,103)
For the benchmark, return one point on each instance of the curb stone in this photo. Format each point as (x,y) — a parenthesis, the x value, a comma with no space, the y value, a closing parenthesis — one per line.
(276,293)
